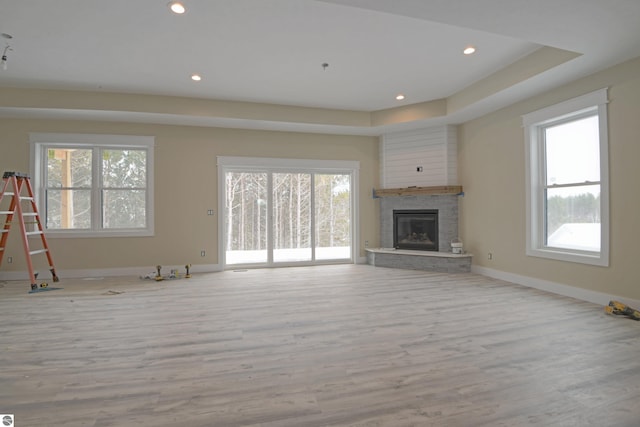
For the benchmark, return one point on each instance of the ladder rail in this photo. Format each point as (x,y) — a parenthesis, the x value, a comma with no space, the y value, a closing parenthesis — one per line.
(5,184)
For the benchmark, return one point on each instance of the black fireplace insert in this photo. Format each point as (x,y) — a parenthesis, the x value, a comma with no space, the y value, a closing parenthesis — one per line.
(415,229)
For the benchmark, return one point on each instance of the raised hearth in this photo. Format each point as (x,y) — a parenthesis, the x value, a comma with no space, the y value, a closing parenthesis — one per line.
(443,262)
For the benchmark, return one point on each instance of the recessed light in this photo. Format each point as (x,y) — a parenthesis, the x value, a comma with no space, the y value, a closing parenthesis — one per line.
(400,97)
(177,7)
(196,77)
(469,50)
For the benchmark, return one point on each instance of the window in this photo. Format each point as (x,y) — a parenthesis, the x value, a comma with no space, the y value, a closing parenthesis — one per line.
(567,181)
(94,185)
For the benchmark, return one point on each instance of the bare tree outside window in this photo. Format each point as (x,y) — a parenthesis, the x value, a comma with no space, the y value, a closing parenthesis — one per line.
(302,206)
(72,182)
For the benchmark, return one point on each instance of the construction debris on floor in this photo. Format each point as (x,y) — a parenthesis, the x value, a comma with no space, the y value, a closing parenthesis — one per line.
(619,309)
(173,274)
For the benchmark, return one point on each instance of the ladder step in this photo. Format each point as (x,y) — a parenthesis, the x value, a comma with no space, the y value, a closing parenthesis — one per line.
(26,198)
(39,251)
(6,212)
(4,231)
(30,214)
(8,194)
(32,233)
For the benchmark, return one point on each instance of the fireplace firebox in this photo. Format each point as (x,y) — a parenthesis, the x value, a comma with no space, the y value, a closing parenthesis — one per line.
(415,229)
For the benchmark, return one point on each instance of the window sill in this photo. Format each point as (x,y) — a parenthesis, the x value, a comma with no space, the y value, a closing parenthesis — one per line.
(51,234)
(597,259)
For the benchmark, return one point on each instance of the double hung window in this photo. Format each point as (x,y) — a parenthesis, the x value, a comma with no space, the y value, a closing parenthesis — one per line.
(567,176)
(94,185)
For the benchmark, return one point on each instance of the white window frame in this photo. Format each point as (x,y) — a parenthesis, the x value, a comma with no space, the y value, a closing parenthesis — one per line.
(273,165)
(40,142)
(594,102)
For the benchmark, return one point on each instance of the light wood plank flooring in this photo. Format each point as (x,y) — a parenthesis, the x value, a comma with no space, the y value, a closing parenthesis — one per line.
(345,345)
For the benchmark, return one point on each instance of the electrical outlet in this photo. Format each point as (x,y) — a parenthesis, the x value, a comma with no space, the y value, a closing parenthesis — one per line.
(202,253)
(9,260)
(489,255)
(366,243)
(210,212)
(419,169)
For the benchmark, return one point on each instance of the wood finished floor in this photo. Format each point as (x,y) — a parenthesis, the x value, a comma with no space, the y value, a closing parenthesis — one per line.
(346,345)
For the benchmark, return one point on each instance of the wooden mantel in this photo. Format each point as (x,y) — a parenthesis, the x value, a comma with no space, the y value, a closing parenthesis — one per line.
(418,191)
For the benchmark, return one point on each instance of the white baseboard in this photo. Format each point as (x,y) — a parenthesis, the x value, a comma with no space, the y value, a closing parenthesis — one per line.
(110,272)
(554,287)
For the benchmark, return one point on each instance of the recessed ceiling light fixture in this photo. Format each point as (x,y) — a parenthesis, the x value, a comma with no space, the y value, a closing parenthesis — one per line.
(196,77)
(399,97)
(177,7)
(469,50)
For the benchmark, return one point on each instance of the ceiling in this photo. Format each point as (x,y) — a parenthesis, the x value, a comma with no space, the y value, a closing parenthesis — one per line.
(272,52)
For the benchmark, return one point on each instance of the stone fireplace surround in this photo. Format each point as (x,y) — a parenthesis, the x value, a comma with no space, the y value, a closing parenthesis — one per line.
(446,205)
(442,260)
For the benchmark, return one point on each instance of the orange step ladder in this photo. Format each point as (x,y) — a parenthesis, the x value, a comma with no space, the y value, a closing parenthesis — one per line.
(23,208)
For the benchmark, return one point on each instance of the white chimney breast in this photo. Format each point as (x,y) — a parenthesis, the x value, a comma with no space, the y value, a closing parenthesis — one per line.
(422,158)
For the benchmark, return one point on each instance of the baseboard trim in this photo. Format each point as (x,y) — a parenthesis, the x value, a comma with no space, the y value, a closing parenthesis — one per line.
(110,272)
(554,287)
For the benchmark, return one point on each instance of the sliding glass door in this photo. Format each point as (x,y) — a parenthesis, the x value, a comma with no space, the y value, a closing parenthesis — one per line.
(280,217)
(332,213)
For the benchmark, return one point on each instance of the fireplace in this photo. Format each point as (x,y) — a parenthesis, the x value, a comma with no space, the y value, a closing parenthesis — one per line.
(415,229)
